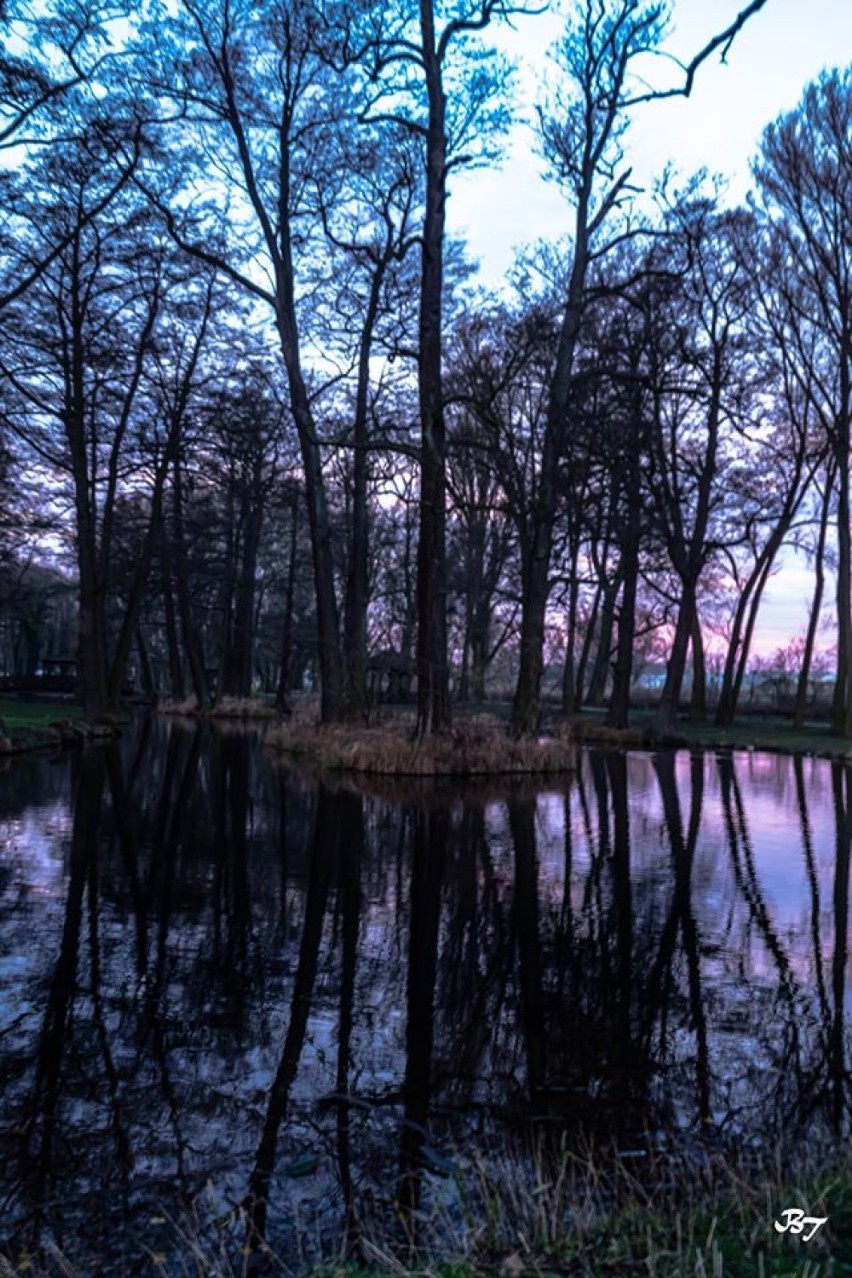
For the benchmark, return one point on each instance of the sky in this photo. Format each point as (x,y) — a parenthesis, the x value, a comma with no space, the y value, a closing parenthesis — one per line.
(718,127)
(779,51)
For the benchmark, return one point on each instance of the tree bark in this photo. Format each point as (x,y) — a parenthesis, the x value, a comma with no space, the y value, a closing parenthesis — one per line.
(433,681)
(285,673)
(526,707)
(698,700)
(816,605)
(689,554)
(191,637)
(357,582)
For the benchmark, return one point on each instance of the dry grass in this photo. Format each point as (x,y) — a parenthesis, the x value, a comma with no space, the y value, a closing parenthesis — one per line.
(473,749)
(170,705)
(584,1214)
(588,1214)
(227,708)
(594,732)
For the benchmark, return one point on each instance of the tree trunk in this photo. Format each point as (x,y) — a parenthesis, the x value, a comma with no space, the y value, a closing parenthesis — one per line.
(136,594)
(433,683)
(586,649)
(479,654)
(841,719)
(569,673)
(622,676)
(238,679)
(670,699)
(149,687)
(689,555)
(748,603)
(698,701)
(600,670)
(177,687)
(816,606)
(91,644)
(285,674)
(191,638)
(357,582)
(526,707)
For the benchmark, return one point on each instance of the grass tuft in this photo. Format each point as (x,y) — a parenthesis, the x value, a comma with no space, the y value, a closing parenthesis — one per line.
(471,749)
(226,708)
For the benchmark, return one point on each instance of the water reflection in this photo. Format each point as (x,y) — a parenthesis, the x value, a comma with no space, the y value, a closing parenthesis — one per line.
(281,1003)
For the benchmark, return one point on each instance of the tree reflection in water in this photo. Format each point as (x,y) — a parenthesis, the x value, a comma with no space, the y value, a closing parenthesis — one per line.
(293,1005)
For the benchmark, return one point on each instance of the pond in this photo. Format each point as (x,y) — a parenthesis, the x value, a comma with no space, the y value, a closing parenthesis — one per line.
(223,983)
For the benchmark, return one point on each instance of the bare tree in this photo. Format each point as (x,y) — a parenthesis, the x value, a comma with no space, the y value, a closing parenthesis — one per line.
(445,93)
(582,131)
(72,369)
(804,176)
(257,92)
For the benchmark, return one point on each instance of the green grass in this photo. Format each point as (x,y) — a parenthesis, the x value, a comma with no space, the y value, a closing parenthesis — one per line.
(579,1217)
(748,732)
(26,726)
(767,734)
(718,1223)
(35,714)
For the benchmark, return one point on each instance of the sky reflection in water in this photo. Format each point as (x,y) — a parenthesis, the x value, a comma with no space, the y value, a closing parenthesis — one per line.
(224,985)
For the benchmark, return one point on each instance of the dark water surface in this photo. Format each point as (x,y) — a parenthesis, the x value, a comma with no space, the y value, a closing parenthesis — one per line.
(222,985)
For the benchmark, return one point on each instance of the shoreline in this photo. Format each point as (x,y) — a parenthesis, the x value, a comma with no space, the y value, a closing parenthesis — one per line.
(45,727)
(479,745)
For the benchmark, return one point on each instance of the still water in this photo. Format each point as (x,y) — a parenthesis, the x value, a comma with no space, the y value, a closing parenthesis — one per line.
(222,983)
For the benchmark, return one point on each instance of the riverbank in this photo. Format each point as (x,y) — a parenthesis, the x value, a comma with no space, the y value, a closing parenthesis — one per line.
(581,1216)
(480,743)
(27,726)
(757,732)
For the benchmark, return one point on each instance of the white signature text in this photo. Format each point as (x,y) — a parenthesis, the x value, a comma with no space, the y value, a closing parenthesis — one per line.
(798,1223)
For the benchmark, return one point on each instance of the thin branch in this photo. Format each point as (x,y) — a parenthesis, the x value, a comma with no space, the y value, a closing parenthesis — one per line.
(723,40)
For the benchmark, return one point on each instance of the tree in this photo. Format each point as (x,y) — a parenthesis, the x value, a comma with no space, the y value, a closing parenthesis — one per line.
(367,200)
(258,90)
(73,368)
(582,132)
(804,176)
(46,99)
(701,403)
(787,450)
(450,97)
(62,49)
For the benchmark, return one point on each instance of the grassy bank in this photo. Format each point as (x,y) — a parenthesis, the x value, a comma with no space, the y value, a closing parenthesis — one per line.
(694,1218)
(480,743)
(255,708)
(768,734)
(590,1217)
(757,732)
(45,725)
(21,715)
